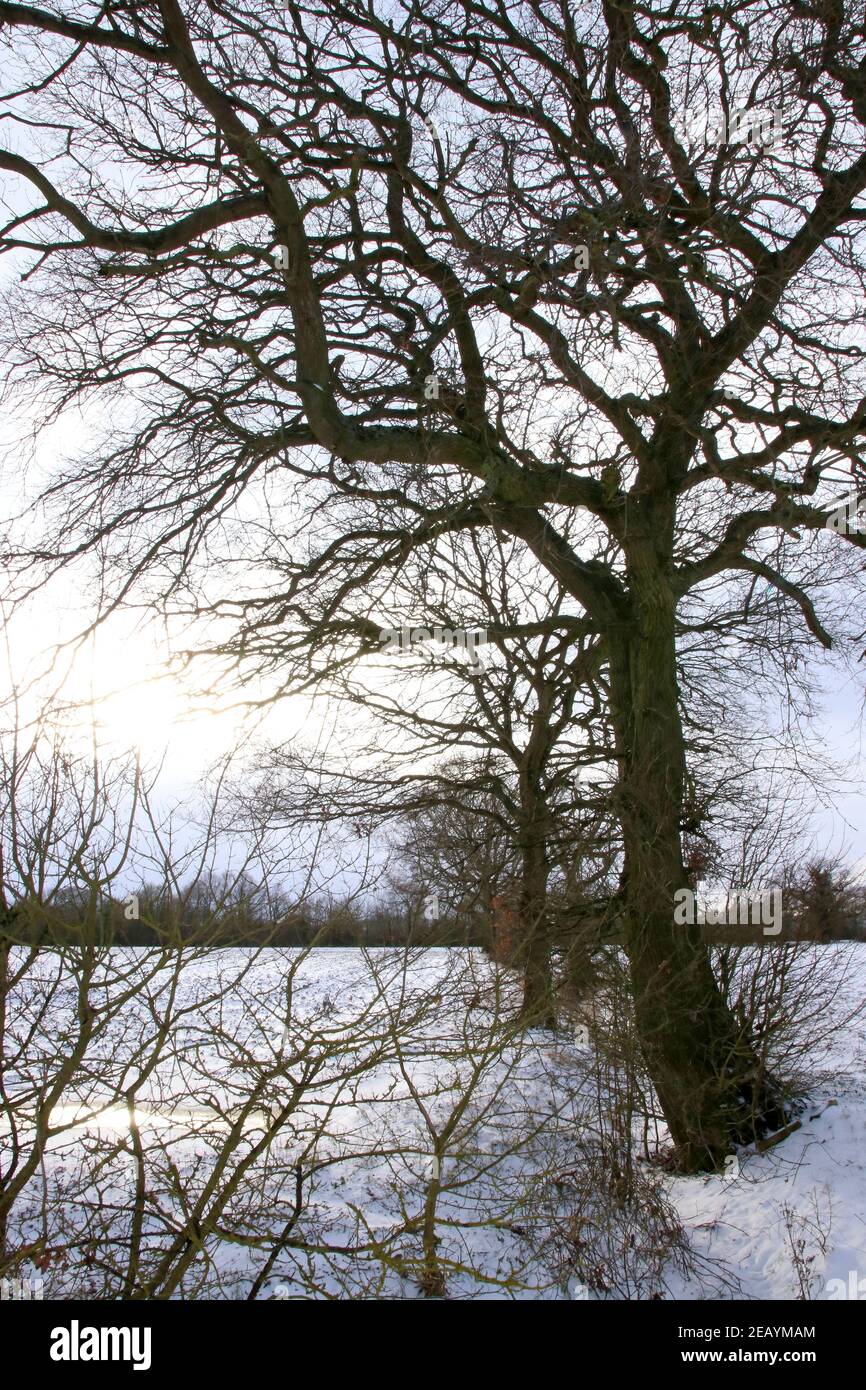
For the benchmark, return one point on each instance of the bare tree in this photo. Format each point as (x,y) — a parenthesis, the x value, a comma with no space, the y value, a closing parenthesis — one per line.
(621,338)
(181,1121)
(487,717)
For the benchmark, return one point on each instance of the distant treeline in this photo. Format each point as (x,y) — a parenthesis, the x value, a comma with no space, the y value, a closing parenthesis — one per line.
(824,905)
(152,917)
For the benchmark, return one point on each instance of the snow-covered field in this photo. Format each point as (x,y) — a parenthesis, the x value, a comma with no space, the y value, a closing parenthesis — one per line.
(808,1192)
(365,1124)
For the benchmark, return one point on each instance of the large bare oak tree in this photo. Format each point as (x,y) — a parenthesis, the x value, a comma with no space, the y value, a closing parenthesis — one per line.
(331,264)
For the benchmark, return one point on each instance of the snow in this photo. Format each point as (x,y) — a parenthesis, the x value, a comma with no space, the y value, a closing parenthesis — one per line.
(371,1065)
(810,1189)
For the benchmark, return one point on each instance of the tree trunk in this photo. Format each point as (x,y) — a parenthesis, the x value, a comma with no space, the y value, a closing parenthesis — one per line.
(707,1077)
(537,1009)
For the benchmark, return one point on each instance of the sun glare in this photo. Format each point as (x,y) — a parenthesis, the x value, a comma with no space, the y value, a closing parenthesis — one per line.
(148,710)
